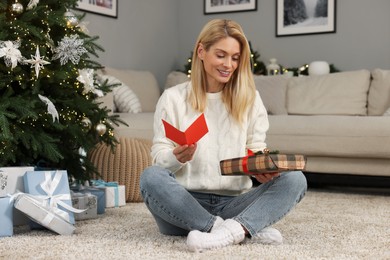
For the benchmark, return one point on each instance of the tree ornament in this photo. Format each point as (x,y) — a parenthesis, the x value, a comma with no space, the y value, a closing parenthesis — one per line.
(86,77)
(83,27)
(86,123)
(71,19)
(17,8)
(101,129)
(51,109)
(32,4)
(10,51)
(37,62)
(70,48)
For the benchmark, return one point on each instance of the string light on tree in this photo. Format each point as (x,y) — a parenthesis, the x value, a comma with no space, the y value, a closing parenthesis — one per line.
(48,92)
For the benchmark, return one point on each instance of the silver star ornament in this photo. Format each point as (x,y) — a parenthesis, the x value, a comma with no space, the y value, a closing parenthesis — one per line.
(37,61)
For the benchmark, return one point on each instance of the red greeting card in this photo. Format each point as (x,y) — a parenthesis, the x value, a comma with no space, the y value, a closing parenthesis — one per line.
(193,133)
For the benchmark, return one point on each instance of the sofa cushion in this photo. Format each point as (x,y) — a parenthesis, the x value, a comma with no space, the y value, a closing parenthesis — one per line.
(143,83)
(333,136)
(343,93)
(272,91)
(379,93)
(138,125)
(175,78)
(125,100)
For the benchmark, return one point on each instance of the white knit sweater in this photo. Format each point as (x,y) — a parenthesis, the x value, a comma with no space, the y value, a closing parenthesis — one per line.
(226,139)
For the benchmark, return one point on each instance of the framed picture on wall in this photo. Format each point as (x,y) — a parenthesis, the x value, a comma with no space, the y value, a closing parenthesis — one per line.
(229,6)
(300,17)
(103,7)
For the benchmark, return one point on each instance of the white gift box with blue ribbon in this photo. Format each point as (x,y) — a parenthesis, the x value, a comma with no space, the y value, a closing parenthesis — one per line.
(11,182)
(6,208)
(52,188)
(115,193)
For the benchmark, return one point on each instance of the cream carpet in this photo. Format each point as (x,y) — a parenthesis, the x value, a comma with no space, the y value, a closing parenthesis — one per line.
(327,224)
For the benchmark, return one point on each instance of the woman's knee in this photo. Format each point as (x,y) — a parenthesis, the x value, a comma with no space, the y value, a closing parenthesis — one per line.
(296,180)
(149,176)
(153,177)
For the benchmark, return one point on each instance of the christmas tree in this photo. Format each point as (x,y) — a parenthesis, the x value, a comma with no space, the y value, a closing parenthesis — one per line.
(49,88)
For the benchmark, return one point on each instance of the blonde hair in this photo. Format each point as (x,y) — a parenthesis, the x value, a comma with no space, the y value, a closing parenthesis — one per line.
(239,93)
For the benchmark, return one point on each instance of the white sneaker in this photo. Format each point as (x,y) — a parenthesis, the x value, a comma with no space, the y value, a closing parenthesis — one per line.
(230,232)
(269,236)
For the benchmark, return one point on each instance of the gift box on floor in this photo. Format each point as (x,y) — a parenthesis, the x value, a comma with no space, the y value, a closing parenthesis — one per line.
(14,184)
(115,193)
(262,163)
(53,187)
(99,193)
(43,215)
(6,212)
(87,202)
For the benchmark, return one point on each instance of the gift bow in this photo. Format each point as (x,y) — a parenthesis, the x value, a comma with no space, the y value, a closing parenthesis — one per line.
(49,186)
(245,161)
(101,183)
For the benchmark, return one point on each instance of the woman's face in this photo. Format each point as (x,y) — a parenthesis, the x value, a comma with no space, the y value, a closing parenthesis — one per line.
(220,62)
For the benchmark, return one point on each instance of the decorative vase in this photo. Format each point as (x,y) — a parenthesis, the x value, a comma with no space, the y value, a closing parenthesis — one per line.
(317,68)
(273,68)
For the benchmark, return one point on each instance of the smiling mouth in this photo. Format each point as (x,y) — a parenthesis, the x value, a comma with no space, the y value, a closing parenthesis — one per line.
(224,73)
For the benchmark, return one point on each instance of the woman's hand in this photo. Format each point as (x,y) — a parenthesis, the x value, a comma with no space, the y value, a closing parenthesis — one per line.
(266,177)
(184,153)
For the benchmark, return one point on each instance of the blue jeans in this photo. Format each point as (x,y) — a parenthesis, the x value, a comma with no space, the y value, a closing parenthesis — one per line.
(178,211)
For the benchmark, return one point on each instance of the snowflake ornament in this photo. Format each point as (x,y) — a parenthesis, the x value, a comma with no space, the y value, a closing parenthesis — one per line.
(86,77)
(37,61)
(9,50)
(70,49)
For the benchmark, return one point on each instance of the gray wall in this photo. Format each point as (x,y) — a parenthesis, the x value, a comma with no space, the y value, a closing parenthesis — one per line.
(143,37)
(159,35)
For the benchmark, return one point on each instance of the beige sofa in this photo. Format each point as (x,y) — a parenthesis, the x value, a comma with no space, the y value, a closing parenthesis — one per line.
(339,121)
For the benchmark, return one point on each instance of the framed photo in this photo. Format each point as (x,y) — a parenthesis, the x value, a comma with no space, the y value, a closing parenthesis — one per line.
(300,17)
(103,7)
(229,6)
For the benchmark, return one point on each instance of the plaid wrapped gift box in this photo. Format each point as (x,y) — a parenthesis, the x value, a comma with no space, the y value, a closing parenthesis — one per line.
(262,163)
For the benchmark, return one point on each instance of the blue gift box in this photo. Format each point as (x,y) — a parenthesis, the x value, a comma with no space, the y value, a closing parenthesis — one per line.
(6,210)
(99,193)
(53,188)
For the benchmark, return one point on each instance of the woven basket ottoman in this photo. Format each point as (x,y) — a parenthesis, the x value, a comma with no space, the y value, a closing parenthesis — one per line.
(125,165)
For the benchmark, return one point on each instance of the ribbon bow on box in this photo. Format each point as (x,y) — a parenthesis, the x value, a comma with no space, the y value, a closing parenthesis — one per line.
(51,189)
(51,200)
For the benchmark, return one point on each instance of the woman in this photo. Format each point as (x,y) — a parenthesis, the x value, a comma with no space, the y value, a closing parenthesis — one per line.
(184,190)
